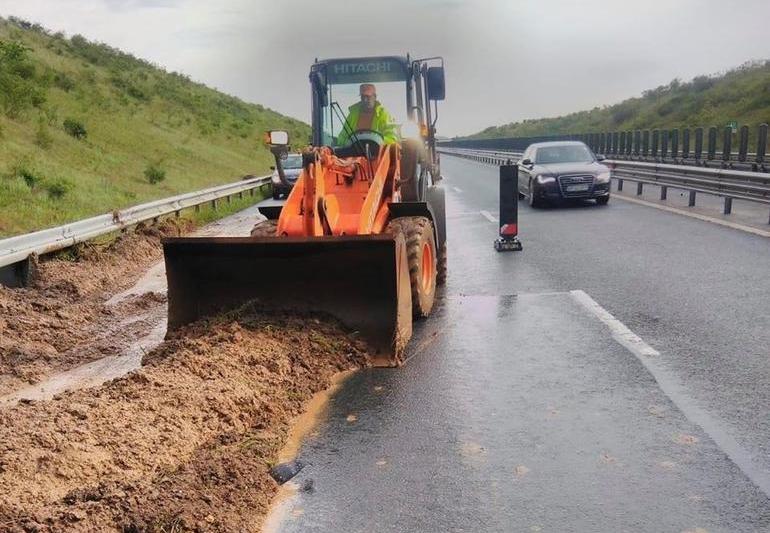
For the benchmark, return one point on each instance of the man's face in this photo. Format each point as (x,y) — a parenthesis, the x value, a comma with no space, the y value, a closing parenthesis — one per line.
(368,100)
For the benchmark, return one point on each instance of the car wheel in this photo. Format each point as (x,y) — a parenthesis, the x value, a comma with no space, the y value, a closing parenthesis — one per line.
(533,202)
(602,200)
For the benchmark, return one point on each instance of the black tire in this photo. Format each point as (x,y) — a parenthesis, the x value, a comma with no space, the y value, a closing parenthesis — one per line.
(533,202)
(410,171)
(441,266)
(602,200)
(419,236)
(266,228)
(276,193)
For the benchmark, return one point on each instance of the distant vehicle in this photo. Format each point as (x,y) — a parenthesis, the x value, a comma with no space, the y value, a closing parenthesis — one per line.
(562,170)
(292,166)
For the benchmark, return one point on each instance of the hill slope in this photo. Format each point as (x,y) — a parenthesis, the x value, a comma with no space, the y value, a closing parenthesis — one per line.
(742,95)
(85,129)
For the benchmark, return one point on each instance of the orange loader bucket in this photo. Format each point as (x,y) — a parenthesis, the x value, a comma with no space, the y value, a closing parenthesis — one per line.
(361,280)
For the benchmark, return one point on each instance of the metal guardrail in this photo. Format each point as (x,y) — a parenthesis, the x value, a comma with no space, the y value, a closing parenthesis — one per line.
(656,146)
(17,249)
(730,184)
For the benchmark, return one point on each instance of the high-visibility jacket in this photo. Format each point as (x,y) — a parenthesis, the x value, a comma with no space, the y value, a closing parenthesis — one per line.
(382,123)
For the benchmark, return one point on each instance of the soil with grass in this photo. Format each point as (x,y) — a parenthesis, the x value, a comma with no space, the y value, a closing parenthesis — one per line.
(183,444)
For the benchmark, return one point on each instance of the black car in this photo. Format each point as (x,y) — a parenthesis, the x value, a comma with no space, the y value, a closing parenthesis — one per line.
(292,166)
(562,170)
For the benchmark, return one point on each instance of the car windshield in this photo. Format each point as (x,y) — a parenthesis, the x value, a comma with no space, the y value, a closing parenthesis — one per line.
(293,161)
(571,153)
(389,94)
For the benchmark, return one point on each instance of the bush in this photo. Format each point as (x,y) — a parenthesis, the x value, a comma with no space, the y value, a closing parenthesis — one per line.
(19,90)
(75,128)
(154,173)
(42,137)
(58,187)
(63,82)
(25,172)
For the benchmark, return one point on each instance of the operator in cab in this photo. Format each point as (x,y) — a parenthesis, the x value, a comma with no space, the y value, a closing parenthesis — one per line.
(368,114)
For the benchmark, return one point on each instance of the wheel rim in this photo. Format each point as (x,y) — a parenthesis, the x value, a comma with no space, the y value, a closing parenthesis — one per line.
(426,280)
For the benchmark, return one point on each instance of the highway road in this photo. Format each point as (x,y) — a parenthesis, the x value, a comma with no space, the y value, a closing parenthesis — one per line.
(611,377)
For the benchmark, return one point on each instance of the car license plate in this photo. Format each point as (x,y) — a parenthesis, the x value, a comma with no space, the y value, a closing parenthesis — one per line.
(578,188)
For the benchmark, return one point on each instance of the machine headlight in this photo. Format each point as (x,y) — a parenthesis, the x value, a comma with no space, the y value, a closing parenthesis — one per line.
(604,177)
(410,130)
(545,179)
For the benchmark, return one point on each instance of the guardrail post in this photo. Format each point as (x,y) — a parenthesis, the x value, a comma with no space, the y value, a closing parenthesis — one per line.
(761,143)
(639,188)
(620,184)
(691,203)
(637,142)
(655,139)
(728,205)
(645,142)
(622,150)
(698,144)
(674,143)
(663,192)
(712,148)
(177,213)
(743,144)
(686,143)
(198,208)
(240,195)
(727,144)
(214,205)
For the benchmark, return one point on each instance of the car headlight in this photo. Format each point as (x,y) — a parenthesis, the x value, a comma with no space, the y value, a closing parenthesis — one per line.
(545,179)
(604,177)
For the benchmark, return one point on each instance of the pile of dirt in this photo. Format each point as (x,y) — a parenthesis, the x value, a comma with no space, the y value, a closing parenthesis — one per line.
(184,443)
(53,324)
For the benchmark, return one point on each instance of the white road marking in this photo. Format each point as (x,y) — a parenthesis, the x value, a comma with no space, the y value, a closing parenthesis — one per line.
(457,189)
(488,216)
(620,332)
(675,391)
(706,218)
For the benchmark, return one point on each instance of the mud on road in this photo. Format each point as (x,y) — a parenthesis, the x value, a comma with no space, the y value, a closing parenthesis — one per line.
(63,319)
(184,443)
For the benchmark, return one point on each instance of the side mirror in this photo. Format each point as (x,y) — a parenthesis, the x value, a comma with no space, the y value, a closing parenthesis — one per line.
(600,157)
(436,88)
(526,162)
(277,138)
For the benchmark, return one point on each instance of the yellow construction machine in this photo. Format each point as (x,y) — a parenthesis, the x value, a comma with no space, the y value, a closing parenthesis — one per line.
(361,236)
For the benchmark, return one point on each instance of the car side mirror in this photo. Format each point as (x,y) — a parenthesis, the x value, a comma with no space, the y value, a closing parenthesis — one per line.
(436,87)
(526,162)
(600,157)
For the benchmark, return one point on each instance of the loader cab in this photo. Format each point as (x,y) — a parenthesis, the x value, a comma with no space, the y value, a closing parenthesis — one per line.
(405,88)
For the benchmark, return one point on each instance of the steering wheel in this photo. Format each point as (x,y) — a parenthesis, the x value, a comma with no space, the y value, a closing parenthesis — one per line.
(370,139)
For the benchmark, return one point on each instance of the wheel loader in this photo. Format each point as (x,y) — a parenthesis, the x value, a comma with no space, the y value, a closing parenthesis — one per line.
(361,236)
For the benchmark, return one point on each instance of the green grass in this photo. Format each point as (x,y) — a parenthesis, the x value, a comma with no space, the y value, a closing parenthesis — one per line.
(742,95)
(138,123)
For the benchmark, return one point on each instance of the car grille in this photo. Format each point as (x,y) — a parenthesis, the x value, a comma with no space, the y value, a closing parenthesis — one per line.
(566,183)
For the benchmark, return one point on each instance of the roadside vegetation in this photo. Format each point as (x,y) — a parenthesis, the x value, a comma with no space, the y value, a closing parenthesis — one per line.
(86,129)
(741,95)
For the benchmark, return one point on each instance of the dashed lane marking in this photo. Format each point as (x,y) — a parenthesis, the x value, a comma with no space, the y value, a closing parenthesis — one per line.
(457,189)
(488,216)
(672,387)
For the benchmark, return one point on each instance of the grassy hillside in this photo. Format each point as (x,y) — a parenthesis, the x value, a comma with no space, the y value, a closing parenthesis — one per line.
(85,129)
(742,94)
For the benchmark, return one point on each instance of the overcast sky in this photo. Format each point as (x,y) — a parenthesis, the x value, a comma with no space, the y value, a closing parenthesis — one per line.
(506,60)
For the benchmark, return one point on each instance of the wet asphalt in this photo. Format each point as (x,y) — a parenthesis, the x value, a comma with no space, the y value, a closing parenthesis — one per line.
(519,410)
